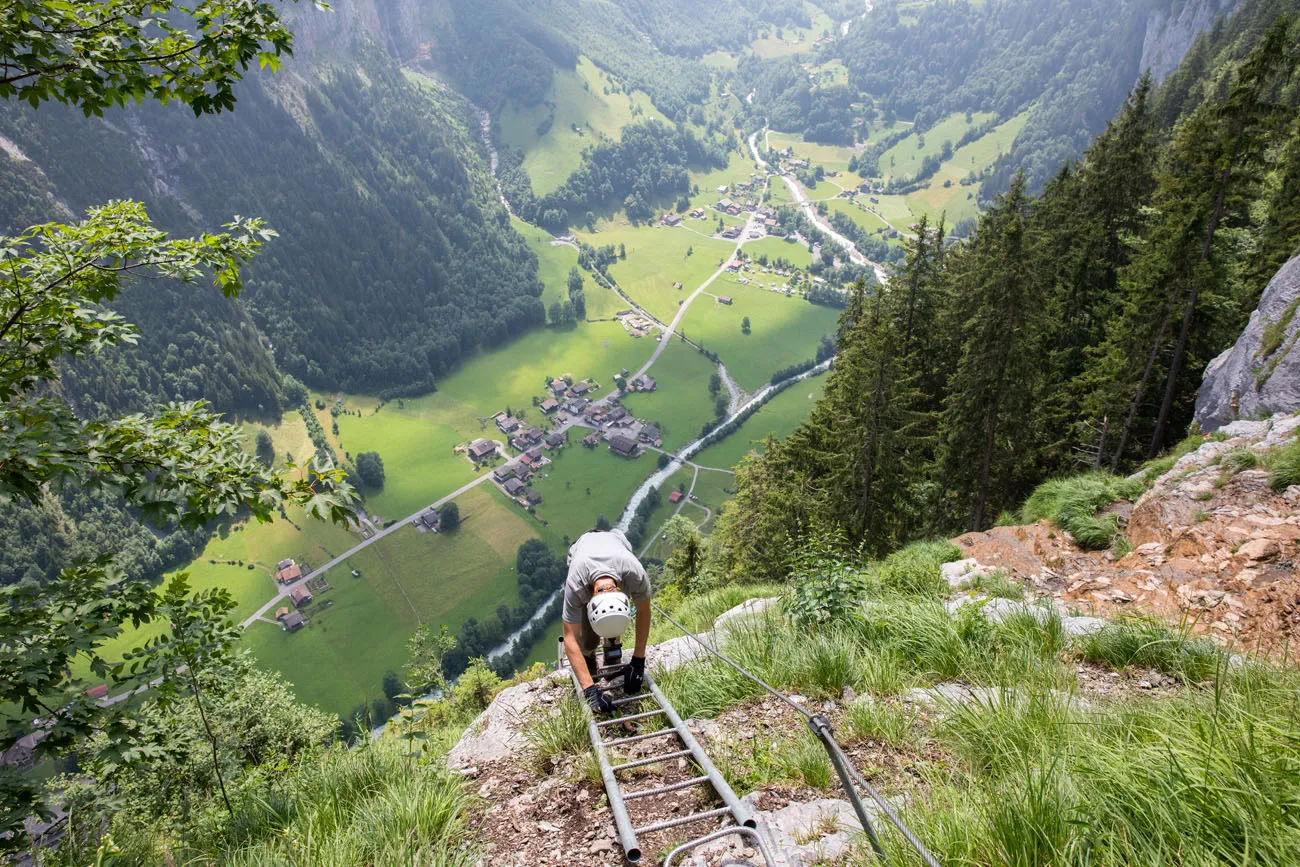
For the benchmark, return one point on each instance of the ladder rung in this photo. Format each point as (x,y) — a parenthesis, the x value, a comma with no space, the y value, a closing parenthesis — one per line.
(682,820)
(650,761)
(631,739)
(635,716)
(628,699)
(671,787)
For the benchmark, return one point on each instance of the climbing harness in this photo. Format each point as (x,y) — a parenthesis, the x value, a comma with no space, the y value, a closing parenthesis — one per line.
(848,774)
(745,824)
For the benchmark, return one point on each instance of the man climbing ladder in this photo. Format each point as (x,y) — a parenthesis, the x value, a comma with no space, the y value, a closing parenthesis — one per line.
(603,575)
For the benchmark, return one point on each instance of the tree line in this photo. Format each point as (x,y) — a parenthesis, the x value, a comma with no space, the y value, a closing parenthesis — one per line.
(1069,333)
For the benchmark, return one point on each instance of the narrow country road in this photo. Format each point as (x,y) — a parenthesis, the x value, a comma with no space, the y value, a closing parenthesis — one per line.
(816,219)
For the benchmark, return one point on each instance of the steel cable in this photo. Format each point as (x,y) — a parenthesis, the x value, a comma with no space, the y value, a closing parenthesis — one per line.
(821,727)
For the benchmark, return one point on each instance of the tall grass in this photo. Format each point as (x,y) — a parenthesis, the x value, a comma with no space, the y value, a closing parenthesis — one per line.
(1144,643)
(561,733)
(1073,505)
(1284,466)
(697,613)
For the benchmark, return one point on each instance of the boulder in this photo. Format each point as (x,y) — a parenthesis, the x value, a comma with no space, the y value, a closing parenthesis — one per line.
(748,608)
(1254,377)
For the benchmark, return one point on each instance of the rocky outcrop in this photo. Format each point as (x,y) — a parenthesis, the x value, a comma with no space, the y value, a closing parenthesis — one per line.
(1170,34)
(1214,546)
(1260,374)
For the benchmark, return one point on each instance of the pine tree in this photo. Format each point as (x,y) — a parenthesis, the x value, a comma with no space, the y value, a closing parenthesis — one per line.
(986,441)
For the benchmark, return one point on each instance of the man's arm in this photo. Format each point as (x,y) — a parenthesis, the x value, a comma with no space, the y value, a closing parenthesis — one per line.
(642,627)
(574,653)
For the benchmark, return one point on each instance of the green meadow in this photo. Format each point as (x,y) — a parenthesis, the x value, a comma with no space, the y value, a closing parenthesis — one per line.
(779,416)
(783,331)
(793,40)
(681,404)
(582,484)
(961,202)
(583,98)
(774,248)
(904,159)
(657,257)
(358,630)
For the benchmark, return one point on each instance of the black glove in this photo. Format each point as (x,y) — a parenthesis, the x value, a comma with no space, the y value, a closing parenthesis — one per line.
(634,678)
(599,702)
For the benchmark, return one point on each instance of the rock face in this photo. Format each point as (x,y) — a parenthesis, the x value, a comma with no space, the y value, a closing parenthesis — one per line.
(1261,372)
(1169,36)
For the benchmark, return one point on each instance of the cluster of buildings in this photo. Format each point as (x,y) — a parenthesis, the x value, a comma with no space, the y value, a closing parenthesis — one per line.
(514,479)
(287,571)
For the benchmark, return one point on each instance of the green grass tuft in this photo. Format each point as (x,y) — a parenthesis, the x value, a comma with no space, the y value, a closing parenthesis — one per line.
(914,570)
(562,733)
(1284,466)
(1073,505)
(1142,643)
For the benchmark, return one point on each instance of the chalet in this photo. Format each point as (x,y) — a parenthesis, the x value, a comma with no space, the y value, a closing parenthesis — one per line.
(503,473)
(531,457)
(548,406)
(723,204)
(580,388)
(430,519)
(554,440)
(292,622)
(289,574)
(648,434)
(533,498)
(509,424)
(798,164)
(482,449)
(97,692)
(559,387)
(670,219)
(299,596)
(698,213)
(724,299)
(591,440)
(644,382)
(514,487)
(751,206)
(281,612)
(575,406)
(524,474)
(731,233)
(722,189)
(617,413)
(733,209)
(519,443)
(675,497)
(677,284)
(875,201)
(284,564)
(533,434)
(735,264)
(621,445)
(770,223)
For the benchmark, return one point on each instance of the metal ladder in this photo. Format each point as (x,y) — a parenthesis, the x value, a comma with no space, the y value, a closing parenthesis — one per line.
(746,826)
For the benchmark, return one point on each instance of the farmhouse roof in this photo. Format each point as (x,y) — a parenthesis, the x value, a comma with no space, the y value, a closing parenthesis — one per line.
(281,611)
(293,620)
(482,448)
(549,405)
(513,487)
(533,498)
(503,473)
(622,445)
(675,497)
(289,574)
(300,596)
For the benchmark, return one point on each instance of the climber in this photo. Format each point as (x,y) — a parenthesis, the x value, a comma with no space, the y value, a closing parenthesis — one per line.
(603,574)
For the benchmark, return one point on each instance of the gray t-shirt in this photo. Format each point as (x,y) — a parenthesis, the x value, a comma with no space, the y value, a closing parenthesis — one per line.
(596,554)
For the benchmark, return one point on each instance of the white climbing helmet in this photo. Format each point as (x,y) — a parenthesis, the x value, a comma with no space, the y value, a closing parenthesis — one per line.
(609,613)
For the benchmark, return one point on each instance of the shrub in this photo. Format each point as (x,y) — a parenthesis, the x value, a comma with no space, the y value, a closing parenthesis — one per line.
(1284,466)
(475,688)
(1072,504)
(823,597)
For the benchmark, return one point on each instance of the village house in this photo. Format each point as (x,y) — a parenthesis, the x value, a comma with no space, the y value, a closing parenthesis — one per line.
(648,434)
(514,487)
(591,440)
(731,233)
(503,473)
(289,574)
(300,596)
(533,434)
(281,612)
(735,264)
(617,412)
(624,446)
(532,457)
(644,382)
(554,440)
(98,692)
(533,498)
(509,424)
(675,497)
(284,564)
(576,405)
(429,519)
(670,219)
(733,209)
(292,622)
(580,388)
(698,213)
(548,406)
(482,449)
(524,474)
(559,387)
(519,443)
(724,299)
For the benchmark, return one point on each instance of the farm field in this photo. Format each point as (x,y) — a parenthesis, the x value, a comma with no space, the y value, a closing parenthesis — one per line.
(681,405)
(578,98)
(779,416)
(784,331)
(778,248)
(793,40)
(358,630)
(263,545)
(289,438)
(567,509)
(961,202)
(867,219)
(656,258)
(904,159)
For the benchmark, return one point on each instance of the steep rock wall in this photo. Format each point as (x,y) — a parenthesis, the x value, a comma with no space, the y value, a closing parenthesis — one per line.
(1261,372)
(1171,32)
